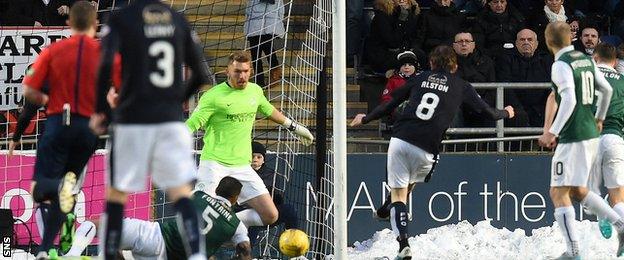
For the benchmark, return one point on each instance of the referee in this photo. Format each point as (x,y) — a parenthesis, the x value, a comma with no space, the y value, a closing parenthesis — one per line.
(69,69)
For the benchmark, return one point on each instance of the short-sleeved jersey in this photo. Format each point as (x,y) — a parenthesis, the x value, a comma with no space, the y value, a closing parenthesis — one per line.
(581,125)
(154,42)
(427,104)
(227,116)
(219,224)
(69,68)
(614,122)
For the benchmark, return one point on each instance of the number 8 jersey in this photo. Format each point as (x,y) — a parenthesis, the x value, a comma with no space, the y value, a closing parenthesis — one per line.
(154,42)
(427,104)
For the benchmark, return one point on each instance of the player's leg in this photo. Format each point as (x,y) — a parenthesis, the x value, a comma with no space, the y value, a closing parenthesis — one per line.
(173,168)
(254,194)
(82,238)
(143,238)
(129,151)
(256,61)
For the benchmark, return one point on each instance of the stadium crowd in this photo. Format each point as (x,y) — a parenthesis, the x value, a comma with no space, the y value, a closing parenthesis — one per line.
(496,41)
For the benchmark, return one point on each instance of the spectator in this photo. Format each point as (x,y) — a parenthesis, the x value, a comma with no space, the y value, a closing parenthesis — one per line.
(525,64)
(473,67)
(356,28)
(38,12)
(439,25)
(264,22)
(287,212)
(495,29)
(392,31)
(553,11)
(589,39)
(409,67)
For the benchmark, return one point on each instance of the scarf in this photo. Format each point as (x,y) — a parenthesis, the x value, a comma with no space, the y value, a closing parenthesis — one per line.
(553,17)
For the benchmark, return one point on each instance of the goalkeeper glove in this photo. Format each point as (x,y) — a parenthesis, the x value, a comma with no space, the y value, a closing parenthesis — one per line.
(300,130)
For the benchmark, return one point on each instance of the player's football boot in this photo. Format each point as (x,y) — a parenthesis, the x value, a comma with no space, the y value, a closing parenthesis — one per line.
(405,254)
(68,230)
(42,256)
(66,196)
(605,228)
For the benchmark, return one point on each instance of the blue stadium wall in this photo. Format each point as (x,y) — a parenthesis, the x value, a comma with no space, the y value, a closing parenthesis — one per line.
(510,190)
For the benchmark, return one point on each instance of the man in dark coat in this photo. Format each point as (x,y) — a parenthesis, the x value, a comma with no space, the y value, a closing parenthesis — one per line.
(525,64)
(37,13)
(439,25)
(495,29)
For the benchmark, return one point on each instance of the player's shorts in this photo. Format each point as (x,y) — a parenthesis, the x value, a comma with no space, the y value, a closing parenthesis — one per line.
(164,150)
(407,163)
(211,172)
(609,163)
(572,163)
(144,239)
(64,148)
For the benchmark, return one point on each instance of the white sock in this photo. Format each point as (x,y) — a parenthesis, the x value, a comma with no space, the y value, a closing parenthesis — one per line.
(565,219)
(250,218)
(599,206)
(83,237)
(619,208)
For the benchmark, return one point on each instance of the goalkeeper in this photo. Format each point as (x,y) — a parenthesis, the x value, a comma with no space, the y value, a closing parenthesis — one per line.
(153,240)
(227,113)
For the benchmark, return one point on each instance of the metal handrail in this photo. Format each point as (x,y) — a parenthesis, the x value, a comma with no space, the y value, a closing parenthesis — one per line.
(452,141)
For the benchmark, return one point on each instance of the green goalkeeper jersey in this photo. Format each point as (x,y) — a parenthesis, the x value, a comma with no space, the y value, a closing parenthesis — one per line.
(614,122)
(218,224)
(581,125)
(227,116)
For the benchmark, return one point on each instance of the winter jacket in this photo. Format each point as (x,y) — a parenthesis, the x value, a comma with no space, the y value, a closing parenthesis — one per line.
(263,18)
(492,31)
(27,12)
(390,36)
(438,26)
(477,67)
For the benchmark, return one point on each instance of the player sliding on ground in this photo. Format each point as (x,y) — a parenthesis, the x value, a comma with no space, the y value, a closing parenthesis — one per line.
(153,240)
(574,77)
(227,113)
(428,103)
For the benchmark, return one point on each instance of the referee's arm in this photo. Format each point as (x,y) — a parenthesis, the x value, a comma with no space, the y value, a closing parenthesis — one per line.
(110,45)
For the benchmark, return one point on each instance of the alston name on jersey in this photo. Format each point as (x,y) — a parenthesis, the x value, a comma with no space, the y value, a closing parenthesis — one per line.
(433,85)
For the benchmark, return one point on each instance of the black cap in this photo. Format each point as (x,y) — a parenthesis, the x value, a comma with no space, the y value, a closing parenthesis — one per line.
(407,57)
(258,148)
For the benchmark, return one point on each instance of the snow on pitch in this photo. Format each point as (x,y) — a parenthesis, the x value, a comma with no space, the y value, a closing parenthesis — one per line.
(483,241)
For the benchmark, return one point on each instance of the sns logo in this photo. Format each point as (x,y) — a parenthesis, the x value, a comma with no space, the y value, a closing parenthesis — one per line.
(6,246)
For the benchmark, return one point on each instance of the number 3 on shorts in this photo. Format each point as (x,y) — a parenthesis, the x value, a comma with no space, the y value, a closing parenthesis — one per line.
(427,106)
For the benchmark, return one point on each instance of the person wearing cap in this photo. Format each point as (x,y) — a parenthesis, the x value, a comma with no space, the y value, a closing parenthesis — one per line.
(408,66)
(286,212)
(495,29)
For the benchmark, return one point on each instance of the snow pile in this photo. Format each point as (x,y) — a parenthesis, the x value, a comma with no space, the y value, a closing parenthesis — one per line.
(483,241)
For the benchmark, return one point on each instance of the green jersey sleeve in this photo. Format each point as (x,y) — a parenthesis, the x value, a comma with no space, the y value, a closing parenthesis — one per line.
(202,113)
(264,106)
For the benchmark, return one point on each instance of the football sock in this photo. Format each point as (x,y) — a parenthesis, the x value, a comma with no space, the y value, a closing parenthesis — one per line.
(250,218)
(188,224)
(83,237)
(46,189)
(287,215)
(384,210)
(600,207)
(398,221)
(619,208)
(41,215)
(113,219)
(52,226)
(565,219)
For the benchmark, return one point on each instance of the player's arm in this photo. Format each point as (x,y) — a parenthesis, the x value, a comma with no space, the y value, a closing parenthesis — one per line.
(550,111)
(241,240)
(202,113)
(474,101)
(36,77)
(109,47)
(397,97)
(194,58)
(605,91)
(276,116)
(562,76)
